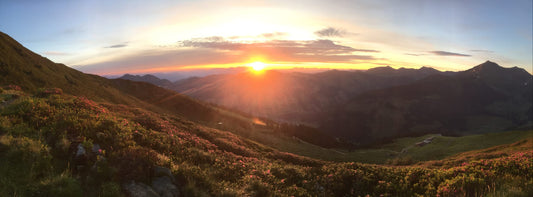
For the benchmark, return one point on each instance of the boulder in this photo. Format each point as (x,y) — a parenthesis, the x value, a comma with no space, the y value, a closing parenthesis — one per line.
(162,171)
(139,190)
(164,187)
(80,151)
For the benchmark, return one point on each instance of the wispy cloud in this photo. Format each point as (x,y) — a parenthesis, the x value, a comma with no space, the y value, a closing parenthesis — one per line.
(274,35)
(288,47)
(482,51)
(330,32)
(446,53)
(414,54)
(117,46)
(218,50)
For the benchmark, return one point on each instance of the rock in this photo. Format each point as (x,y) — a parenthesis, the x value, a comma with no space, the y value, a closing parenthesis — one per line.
(139,190)
(162,171)
(164,187)
(81,151)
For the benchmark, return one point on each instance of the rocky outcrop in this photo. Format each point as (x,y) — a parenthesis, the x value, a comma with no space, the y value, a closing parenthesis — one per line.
(134,189)
(163,185)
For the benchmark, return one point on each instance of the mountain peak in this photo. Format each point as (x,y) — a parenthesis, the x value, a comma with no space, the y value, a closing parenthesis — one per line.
(492,68)
(486,67)
(489,65)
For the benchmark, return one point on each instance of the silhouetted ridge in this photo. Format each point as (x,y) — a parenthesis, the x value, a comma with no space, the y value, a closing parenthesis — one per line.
(148,78)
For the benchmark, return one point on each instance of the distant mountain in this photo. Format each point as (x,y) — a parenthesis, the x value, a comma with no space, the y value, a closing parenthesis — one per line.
(486,98)
(148,78)
(292,97)
(380,103)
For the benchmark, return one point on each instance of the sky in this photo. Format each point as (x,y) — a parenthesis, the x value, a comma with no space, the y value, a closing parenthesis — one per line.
(130,36)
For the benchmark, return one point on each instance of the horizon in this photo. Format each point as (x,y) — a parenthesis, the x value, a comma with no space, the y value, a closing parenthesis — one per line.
(139,38)
(184,74)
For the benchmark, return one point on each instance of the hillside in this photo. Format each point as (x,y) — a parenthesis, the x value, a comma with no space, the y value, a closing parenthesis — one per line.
(54,144)
(32,72)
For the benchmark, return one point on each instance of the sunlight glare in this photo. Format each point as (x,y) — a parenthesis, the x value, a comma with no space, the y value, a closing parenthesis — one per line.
(257,66)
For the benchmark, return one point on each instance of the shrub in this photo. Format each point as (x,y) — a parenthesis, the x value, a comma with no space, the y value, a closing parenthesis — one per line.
(400,161)
(44,92)
(135,163)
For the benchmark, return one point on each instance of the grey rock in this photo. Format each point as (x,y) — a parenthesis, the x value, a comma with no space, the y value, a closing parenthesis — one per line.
(162,171)
(139,190)
(164,187)
(81,151)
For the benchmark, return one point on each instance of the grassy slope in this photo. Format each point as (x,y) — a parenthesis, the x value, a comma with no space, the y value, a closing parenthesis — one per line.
(38,136)
(440,147)
(22,67)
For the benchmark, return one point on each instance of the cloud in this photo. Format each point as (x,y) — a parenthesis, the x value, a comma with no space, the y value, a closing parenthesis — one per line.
(160,59)
(289,47)
(481,51)
(274,35)
(55,53)
(330,32)
(446,53)
(219,51)
(413,54)
(117,46)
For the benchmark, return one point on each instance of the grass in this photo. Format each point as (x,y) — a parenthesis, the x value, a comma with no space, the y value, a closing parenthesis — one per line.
(441,147)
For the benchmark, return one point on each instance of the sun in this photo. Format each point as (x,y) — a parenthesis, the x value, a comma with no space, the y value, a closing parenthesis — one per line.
(257,66)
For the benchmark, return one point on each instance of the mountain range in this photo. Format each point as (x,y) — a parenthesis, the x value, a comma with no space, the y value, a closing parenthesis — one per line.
(377,104)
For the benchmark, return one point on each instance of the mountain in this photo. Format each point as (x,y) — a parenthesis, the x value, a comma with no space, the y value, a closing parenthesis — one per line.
(20,66)
(381,103)
(292,97)
(65,133)
(486,98)
(147,78)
